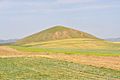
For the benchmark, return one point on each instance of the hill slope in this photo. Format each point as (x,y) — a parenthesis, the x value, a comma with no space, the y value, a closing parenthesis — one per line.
(76,43)
(55,33)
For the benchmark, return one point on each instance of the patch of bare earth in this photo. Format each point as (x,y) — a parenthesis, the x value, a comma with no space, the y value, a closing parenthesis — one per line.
(6,51)
(98,61)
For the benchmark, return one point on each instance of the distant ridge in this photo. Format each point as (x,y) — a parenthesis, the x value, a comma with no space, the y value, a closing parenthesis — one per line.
(8,41)
(55,33)
(114,39)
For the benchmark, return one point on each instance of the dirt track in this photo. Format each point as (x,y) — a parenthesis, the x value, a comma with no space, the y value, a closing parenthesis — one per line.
(99,61)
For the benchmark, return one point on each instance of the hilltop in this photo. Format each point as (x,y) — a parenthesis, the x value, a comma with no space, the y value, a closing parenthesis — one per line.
(55,33)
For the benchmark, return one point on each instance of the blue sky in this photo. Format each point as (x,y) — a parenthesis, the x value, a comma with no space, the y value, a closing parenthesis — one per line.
(20,18)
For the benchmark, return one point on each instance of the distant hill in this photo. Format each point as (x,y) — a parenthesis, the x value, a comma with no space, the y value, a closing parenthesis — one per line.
(64,37)
(55,33)
(7,41)
(114,39)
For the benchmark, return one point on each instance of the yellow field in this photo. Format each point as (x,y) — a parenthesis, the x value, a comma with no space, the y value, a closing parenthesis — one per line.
(80,43)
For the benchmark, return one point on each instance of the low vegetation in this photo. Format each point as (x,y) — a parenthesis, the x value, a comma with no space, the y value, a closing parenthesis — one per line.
(69,51)
(37,68)
(76,43)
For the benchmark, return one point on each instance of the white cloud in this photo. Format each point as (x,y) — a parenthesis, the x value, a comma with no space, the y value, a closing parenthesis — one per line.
(74,1)
(93,7)
(37,7)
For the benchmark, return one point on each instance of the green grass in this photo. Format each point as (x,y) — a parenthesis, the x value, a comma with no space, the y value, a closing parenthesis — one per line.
(69,51)
(36,68)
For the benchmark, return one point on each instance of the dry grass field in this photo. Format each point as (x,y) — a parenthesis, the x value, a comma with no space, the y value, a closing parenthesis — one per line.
(112,62)
(19,65)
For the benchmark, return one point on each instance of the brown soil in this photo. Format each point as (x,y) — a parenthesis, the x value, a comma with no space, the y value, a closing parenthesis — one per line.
(98,61)
(6,51)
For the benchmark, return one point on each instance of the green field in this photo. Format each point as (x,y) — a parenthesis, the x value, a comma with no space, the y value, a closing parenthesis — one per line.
(96,52)
(83,46)
(37,68)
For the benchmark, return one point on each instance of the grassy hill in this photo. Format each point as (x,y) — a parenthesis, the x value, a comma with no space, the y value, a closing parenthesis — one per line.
(64,37)
(55,33)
